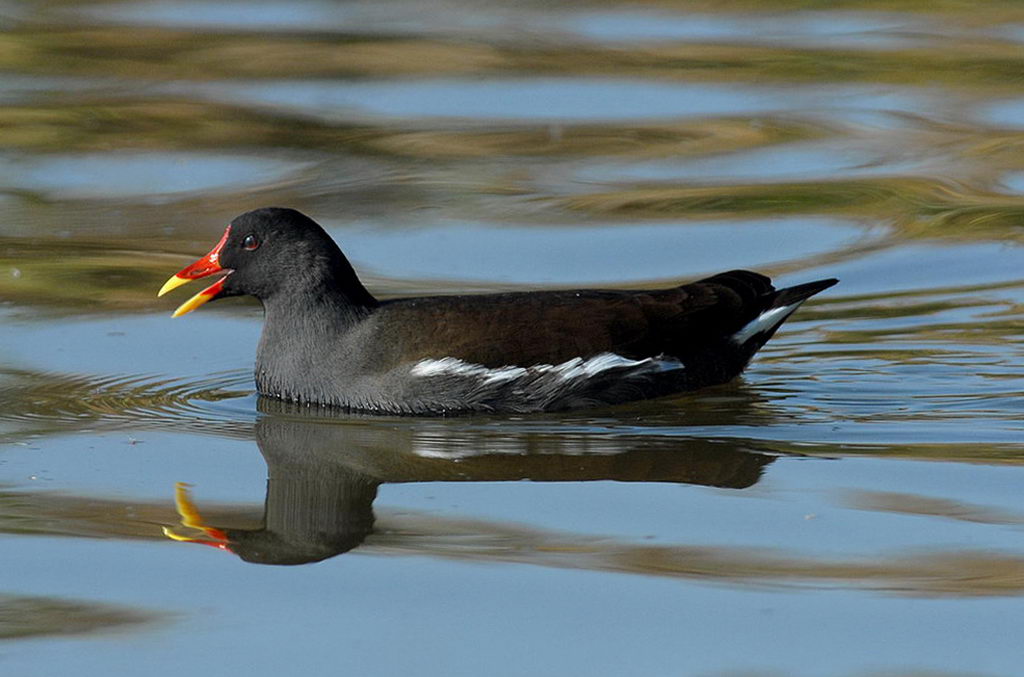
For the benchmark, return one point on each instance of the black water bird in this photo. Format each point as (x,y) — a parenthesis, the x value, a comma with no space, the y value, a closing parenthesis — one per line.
(327,341)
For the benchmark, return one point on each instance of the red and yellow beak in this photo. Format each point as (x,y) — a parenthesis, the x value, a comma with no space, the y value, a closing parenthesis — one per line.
(208,265)
(191,519)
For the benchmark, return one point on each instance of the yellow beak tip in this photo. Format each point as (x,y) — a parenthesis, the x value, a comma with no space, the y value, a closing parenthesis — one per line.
(193,303)
(172,284)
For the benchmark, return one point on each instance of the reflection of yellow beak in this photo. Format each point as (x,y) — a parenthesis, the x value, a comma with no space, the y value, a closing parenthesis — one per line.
(208,265)
(191,519)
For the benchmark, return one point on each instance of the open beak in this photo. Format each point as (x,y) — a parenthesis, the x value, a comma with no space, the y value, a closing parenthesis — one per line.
(208,265)
(191,519)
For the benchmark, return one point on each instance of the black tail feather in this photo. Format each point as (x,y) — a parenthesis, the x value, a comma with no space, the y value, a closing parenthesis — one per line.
(775,310)
(800,292)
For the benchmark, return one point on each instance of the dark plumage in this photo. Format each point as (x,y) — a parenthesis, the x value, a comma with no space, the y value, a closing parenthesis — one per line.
(327,340)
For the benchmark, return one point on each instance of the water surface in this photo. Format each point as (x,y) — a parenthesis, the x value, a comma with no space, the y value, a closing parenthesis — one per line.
(845,508)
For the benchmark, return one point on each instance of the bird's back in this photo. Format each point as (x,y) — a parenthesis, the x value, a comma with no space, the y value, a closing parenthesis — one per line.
(542,351)
(524,328)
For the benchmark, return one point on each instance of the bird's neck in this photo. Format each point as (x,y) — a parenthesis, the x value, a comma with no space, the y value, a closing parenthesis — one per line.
(304,335)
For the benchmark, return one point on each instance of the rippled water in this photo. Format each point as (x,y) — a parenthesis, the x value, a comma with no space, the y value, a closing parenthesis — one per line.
(851,506)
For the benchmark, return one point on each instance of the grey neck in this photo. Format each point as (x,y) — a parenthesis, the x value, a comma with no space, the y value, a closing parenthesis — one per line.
(305,345)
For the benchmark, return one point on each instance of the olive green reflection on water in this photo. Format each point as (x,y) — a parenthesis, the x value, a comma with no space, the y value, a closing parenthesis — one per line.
(22,617)
(169,53)
(67,273)
(102,123)
(914,207)
(99,123)
(909,504)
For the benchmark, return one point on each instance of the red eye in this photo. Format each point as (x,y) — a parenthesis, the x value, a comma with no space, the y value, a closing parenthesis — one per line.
(250,242)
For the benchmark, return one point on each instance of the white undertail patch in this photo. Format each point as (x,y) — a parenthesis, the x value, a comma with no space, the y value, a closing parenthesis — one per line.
(575,368)
(764,322)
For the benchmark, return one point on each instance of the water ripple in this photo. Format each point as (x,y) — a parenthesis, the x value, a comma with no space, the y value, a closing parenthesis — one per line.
(38,402)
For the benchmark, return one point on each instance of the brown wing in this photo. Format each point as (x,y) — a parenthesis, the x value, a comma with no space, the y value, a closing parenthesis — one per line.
(551,327)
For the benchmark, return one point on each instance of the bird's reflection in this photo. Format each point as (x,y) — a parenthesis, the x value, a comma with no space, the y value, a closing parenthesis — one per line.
(324,470)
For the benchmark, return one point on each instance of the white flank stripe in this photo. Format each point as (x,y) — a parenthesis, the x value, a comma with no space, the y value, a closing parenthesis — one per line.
(455,367)
(436,367)
(570,369)
(764,321)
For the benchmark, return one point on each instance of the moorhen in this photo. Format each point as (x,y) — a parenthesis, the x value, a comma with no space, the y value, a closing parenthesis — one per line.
(327,341)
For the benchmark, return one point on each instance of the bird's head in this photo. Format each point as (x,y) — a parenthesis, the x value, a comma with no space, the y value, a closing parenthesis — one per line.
(267,252)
